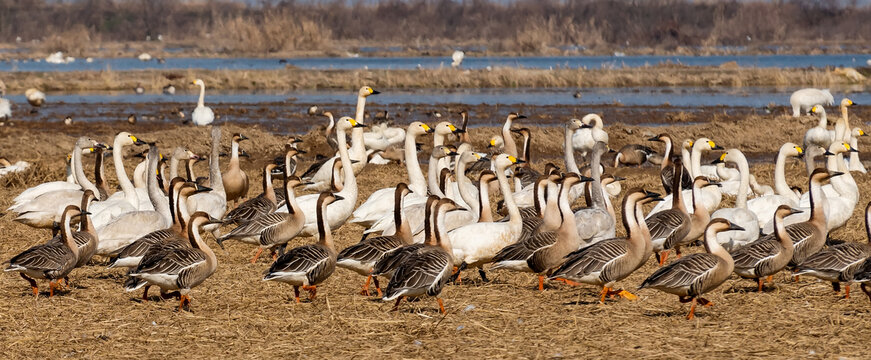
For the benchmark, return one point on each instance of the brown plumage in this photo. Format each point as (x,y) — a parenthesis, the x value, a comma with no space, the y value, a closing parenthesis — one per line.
(766,256)
(235,180)
(667,169)
(670,227)
(632,155)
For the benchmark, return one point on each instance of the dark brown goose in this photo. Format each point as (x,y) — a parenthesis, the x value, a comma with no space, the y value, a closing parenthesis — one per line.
(767,256)
(51,261)
(667,166)
(696,274)
(308,265)
(362,257)
(181,269)
(387,264)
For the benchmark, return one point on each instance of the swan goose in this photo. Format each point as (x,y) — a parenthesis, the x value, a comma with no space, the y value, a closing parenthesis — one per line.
(183,268)
(235,179)
(46,209)
(590,132)
(710,197)
(51,261)
(309,265)
(544,251)
(391,259)
(666,170)
(739,215)
(272,230)
(340,209)
(670,227)
(361,257)
(86,236)
(694,275)
(608,261)
(476,244)
(768,256)
(126,228)
(202,114)
(378,204)
(839,263)
(257,206)
(426,271)
(526,173)
(764,206)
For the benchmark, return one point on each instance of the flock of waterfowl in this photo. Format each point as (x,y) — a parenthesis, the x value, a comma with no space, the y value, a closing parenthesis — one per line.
(421,234)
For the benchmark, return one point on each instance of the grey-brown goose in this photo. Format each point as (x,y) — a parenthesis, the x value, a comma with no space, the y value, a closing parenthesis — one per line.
(308,265)
(632,155)
(692,276)
(809,237)
(86,236)
(390,261)
(605,262)
(526,173)
(362,256)
(670,226)
(273,230)
(514,256)
(699,219)
(235,180)
(544,251)
(839,263)
(131,255)
(666,173)
(51,261)
(766,257)
(181,269)
(426,271)
(257,206)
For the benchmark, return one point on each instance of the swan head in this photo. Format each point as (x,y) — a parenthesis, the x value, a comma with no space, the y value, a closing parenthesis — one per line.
(818,109)
(418,128)
(181,153)
(446,128)
(840,148)
(503,161)
(198,82)
(706,144)
(731,155)
(574,124)
(688,144)
(790,149)
(366,91)
(496,142)
(346,122)
(444,151)
(86,143)
(592,120)
(857,132)
(847,102)
(125,139)
(468,157)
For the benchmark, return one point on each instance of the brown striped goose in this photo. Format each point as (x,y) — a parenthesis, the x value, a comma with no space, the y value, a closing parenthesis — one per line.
(257,206)
(235,180)
(692,276)
(181,269)
(608,261)
(276,229)
(308,265)
(670,226)
(544,251)
(362,257)
(666,172)
(632,155)
(766,257)
(525,172)
(839,263)
(86,237)
(426,271)
(390,261)
(51,261)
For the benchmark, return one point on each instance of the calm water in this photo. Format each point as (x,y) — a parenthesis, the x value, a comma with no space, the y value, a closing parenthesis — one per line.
(778,61)
(681,97)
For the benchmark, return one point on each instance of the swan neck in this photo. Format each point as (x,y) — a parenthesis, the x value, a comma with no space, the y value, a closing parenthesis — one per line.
(510,146)
(121,174)
(201,102)
(416,181)
(744,186)
(350,185)
(155,195)
(569,153)
(216,181)
(467,190)
(505,187)
(780,185)
(80,173)
(432,176)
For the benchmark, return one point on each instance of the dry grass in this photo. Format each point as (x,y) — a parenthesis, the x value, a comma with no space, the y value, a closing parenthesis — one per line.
(665,75)
(237,315)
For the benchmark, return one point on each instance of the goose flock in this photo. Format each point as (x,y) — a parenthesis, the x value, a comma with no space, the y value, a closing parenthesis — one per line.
(421,234)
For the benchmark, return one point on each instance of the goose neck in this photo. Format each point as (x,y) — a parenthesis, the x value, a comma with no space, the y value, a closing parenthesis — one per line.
(216,180)
(442,238)
(189,170)
(100,175)
(432,177)
(325,236)
(67,235)
(234,154)
(467,190)
(198,243)
(780,232)
(484,212)
(712,246)
(268,186)
(552,213)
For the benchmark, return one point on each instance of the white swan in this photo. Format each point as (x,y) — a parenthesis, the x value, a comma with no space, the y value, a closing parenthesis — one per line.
(128,227)
(592,131)
(340,210)
(69,184)
(202,114)
(35,97)
(819,135)
(805,99)
(734,239)
(213,202)
(765,206)
(129,198)
(854,163)
(380,203)
(5,105)
(710,195)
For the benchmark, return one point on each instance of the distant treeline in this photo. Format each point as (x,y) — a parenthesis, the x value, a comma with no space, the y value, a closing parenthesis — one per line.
(523,26)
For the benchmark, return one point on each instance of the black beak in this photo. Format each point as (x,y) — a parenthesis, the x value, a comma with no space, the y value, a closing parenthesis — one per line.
(277,171)
(800,155)
(243,137)
(453,153)
(620,178)
(586,126)
(735,227)
(795,211)
(338,197)
(654,139)
(296,141)
(651,194)
(519,161)
(852,149)
(828,153)
(375,92)
(459,131)
(300,151)
(521,116)
(139,142)
(585,179)
(717,147)
(431,130)
(244,153)
(835,174)
(714,183)
(717,161)
(139,155)
(220,241)
(360,125)
(201,188)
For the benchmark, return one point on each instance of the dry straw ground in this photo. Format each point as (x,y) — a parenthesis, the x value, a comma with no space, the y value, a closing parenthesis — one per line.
(237,315)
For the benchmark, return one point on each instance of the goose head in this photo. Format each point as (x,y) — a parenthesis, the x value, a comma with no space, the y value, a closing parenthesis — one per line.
(126,139)
(496,142)
(521,131)
(181,153)
(444,151)
(294,181)
(418,128)
(188,188)
(85,142)
(719,225)
(784,211)
(402,189)
(366,91)
(551,169)
(346,122)
(820,175)
(503,161)
(486,177)
(702,181)
(327,198)
(446,128)
(572,179)
(661,138)
(237,137)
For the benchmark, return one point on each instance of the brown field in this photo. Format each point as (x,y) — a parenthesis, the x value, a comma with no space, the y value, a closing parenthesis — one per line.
(237,315)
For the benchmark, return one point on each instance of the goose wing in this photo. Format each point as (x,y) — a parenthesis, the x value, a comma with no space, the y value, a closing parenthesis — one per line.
(371,249)
(837,258)
(169,260)
(251,209)
(663,223)
(313,169)
(524,249)
(141,246)
(592,259)
(747,257)
(258,226)
(44,257)
(304,259)
(429,269)
(392,259)
(688,272)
